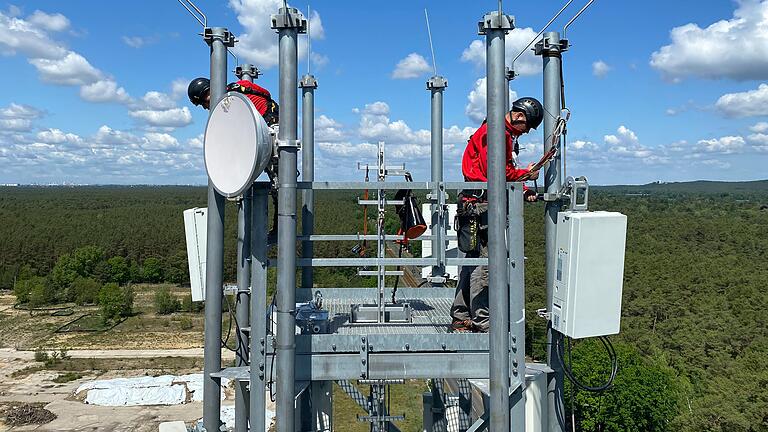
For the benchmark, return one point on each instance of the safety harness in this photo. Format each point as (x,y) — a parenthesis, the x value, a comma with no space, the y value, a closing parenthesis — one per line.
(272,113)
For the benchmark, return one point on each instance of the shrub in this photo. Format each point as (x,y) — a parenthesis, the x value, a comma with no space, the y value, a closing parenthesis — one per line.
(118,270)
(165,302)
(84,290)
(187,305)
(185,323)
(41,356)
(116,302)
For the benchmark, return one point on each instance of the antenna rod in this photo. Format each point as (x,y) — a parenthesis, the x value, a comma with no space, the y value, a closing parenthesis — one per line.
(542,31)
(565,29)
(309,42)
(187,4)
(431,47)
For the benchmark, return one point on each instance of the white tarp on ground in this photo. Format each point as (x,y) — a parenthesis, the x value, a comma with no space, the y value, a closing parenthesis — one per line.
(160,390)
(228,417)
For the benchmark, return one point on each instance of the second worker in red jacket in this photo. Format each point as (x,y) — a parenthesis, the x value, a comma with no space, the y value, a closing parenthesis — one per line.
(469,311)
(199,92)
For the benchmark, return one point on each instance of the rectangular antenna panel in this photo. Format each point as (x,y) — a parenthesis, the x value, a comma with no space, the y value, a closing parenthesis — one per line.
(589,273)
(196,229)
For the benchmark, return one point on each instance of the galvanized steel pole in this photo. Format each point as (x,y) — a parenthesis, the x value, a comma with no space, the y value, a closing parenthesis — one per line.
(308,85)
(495,26)
(242,309)
(260,222)
(551,50)
(289,22)
(436,85)
(516,241)
(218,38)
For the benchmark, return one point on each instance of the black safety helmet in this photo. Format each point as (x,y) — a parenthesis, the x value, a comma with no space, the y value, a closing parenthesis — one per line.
(534,112)
(198,89)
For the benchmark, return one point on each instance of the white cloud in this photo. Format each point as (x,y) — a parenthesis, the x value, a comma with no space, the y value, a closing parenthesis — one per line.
(346,149)
(626,144)
(50,22)
(139,41)
(105,90)
(17,111)
(724,145)
(196,142)
(328,129)
(72,69)
(600,69)
(516,40)
(412,66)
(745,104)
(56,136)
(158,101)
(159,141)
(735,48)
(174,117)
(17,125)
(759,142)
(478,101)
(26,38)
(761,127)
(108,136)
(258,43)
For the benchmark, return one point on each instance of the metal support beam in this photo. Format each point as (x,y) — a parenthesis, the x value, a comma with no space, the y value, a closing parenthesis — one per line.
(495,26)
(436,85)
(258,333)
(289,22)
(516,266)
(218,38)
(308,86)
(550,48)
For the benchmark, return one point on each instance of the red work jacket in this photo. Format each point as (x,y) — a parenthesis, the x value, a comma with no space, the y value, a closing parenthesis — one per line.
(474,164)
(248,89)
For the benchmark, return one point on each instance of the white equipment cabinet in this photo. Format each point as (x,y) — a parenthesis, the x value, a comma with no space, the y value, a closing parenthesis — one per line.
(589,273)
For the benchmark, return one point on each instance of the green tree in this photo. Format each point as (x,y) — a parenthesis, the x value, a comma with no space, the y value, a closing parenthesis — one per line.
(176,268)
(23,288)
(152,270)
(165,302)
(40,294)
(646,394)
(63,274)
(115,301)
(86,259)
(85,290)
(118,270)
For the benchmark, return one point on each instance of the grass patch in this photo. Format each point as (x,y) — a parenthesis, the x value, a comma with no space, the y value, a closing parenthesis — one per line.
(67,377)
(404,399)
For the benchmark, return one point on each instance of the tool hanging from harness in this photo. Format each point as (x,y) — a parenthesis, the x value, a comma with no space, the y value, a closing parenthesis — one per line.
(412,224)
(272,113)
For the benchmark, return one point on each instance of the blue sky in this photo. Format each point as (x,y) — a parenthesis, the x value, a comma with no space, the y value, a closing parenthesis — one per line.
(668,91)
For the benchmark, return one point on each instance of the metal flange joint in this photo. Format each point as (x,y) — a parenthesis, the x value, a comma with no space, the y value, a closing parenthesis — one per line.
(308,82)
(437,83)
(212,33)
(495,21)
(289,18)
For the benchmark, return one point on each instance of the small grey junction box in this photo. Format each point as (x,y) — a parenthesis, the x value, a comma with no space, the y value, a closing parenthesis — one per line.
(589,273)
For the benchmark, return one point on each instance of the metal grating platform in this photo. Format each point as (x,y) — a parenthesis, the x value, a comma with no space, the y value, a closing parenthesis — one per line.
(430,316)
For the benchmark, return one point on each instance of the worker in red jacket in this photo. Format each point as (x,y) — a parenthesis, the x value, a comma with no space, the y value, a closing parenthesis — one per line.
(470,306)
(199,92)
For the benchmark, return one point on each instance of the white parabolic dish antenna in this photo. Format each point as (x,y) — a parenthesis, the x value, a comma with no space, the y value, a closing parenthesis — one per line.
(237,145)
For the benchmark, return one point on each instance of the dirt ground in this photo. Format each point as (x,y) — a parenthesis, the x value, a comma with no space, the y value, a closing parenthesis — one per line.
(74,415)
(23,330)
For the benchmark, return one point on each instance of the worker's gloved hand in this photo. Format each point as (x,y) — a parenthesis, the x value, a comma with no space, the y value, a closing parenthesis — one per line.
(534,175)
(530,195)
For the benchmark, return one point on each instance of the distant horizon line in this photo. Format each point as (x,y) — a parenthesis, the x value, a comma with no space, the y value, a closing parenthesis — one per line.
(10,184)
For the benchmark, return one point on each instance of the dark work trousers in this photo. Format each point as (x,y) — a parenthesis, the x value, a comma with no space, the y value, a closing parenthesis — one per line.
(471,302)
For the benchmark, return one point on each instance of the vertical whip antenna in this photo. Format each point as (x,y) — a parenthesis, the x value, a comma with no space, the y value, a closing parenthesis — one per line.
(195,12)
(431,47)
(309,42)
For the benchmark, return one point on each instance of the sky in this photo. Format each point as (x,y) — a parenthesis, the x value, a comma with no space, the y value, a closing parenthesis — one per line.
(658,91)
